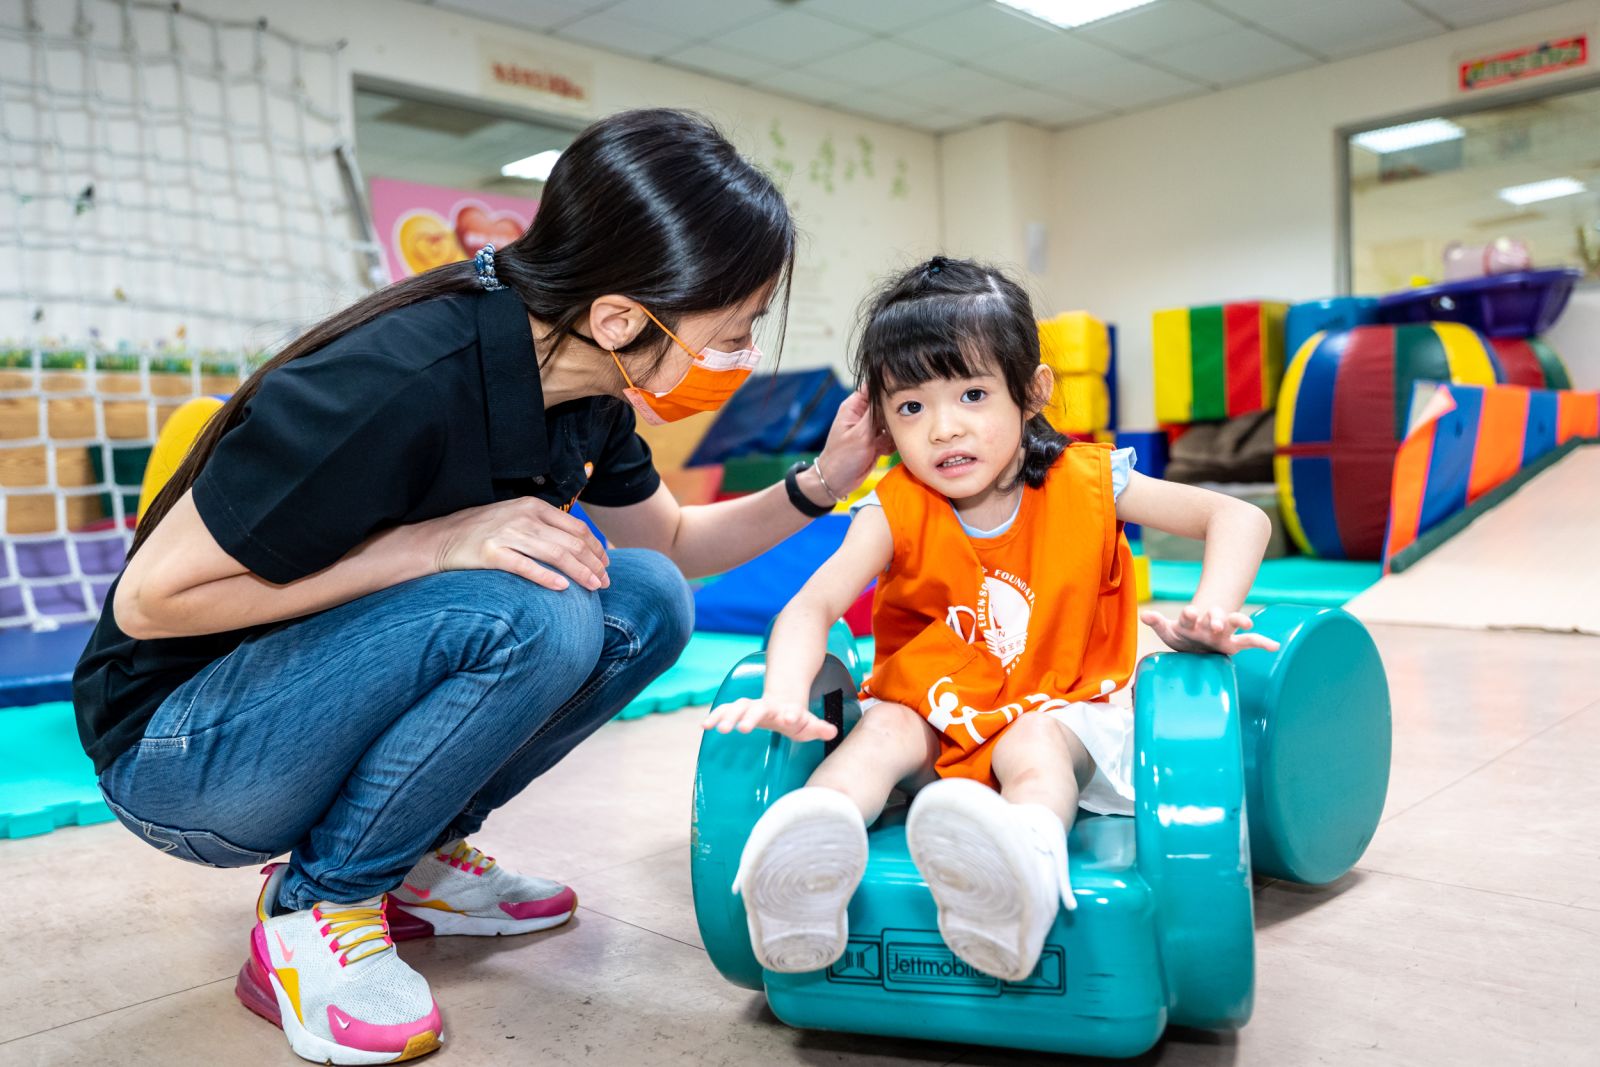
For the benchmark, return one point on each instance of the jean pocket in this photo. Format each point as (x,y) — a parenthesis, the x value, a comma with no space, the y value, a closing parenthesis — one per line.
(197,846)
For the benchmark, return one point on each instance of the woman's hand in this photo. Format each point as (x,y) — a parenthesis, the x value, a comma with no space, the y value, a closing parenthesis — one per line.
(526,537)
(853,446)
(791,718)
(1212,630)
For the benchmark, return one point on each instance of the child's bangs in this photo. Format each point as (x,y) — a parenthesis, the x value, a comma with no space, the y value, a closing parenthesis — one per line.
(920,341)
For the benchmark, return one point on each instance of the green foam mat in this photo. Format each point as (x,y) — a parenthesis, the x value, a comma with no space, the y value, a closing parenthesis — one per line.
(700,671)
(46,781)
(1293,580)
(697,675)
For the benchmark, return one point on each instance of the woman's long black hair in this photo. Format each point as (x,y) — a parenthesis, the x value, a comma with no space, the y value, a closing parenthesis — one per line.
(653,204)
(954,318)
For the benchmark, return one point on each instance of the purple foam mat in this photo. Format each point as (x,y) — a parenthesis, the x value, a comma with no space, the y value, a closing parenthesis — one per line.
(1519,304)
(100,558)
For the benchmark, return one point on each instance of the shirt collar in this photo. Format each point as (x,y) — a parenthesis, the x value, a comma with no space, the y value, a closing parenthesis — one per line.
(513,396)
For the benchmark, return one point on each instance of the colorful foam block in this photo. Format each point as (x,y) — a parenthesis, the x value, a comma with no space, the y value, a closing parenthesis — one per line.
(1080,404)
(1530,361)
(1470,442)
(1076,346)
(1075,342)
(1341,416)
(1336,313)
(1217,362)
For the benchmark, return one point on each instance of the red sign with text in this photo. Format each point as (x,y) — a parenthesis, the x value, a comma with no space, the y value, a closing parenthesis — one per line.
(1519,63)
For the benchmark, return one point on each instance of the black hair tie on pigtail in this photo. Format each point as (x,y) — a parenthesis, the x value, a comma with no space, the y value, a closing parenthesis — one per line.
(936,264)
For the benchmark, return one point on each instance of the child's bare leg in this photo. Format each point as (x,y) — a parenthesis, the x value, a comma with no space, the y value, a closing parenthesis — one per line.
(1039,761)
(998,870)
(890,744)
(807,852)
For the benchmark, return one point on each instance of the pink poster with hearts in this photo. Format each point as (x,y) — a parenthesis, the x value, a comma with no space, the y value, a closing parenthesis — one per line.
(423,226)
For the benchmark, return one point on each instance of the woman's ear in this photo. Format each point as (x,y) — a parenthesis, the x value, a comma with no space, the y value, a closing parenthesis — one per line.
(614,321)
(1040,388)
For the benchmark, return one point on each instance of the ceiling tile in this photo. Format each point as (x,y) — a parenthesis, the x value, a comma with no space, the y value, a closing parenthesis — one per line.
(975,31)
(1123,87)
(1042,61)
(806,86)
(617,34)
(948,120)
(1046,109)
(878,62)
(876,105)
(538,15)
(883,16)
(1161,25)
(697,19)
(1472,12)
(1337,31)
(881,105)
(1231,58)
(720,62)
(970,91)
(790,37)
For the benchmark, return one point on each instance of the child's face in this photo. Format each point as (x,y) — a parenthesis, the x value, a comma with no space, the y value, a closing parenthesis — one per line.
(958,436)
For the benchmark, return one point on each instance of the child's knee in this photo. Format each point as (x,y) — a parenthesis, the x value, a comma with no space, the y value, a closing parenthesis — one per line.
(893,719)
(1038,743)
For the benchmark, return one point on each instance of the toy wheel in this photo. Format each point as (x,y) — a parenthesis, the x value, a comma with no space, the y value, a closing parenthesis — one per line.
(1316,742)
(1193,849)
(736,778)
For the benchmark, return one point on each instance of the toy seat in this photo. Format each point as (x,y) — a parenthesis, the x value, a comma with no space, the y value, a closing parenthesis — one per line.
(1280,757)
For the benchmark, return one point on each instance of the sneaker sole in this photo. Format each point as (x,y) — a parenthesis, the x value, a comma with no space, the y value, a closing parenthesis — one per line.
(797,884)
(435,922)
(259,990)
(977,879)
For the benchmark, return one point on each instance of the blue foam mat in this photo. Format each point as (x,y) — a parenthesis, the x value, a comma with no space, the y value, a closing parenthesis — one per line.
(37,667)
(46,781)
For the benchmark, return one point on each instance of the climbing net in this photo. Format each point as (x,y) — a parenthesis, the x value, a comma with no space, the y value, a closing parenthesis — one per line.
(182,199)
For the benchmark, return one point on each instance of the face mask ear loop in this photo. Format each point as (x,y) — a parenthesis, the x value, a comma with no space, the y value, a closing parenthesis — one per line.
(662,327)
(621,369)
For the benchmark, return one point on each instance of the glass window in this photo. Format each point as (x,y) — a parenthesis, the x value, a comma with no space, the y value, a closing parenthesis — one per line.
(1508,185)
(460,146)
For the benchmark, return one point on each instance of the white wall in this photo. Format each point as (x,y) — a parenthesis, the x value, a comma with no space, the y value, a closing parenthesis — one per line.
(996,181)
(855,224)
(1232,195)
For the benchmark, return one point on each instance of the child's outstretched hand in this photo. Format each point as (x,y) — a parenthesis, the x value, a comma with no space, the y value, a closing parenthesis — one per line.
(1213,630)
(787,717)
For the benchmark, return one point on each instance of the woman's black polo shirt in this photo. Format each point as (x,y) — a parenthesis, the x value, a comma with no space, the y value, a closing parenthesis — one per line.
(422,412)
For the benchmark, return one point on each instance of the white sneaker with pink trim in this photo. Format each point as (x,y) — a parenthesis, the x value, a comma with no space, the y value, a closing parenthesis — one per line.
(330,978)
(459,890)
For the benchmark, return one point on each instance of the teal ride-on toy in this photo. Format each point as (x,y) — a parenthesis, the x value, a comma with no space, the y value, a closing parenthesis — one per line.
(1273,764)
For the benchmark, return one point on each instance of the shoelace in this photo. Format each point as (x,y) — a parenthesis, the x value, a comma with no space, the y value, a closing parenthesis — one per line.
(467,858)
(350,919)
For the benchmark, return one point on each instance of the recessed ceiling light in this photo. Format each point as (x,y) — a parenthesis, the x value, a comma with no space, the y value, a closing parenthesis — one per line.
(1411,135)
(534,168)
(1549,189)
(1070,13)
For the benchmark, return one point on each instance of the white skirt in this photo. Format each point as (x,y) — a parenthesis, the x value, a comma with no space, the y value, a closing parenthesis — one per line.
(1106,730)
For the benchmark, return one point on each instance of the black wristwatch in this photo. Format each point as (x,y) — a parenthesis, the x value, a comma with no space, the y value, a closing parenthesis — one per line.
(803,504)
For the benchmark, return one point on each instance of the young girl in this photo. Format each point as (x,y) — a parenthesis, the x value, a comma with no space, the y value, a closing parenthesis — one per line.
(1004,617)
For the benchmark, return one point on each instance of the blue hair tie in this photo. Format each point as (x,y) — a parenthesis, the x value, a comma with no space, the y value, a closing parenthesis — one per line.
(484,263)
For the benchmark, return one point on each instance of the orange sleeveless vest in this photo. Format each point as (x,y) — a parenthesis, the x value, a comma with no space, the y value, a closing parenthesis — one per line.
(972,633)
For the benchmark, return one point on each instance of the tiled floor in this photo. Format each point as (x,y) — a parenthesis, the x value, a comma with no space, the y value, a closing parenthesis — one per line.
(1469,934)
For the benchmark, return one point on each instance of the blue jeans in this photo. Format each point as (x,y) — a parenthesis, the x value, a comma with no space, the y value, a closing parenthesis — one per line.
(358,738)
